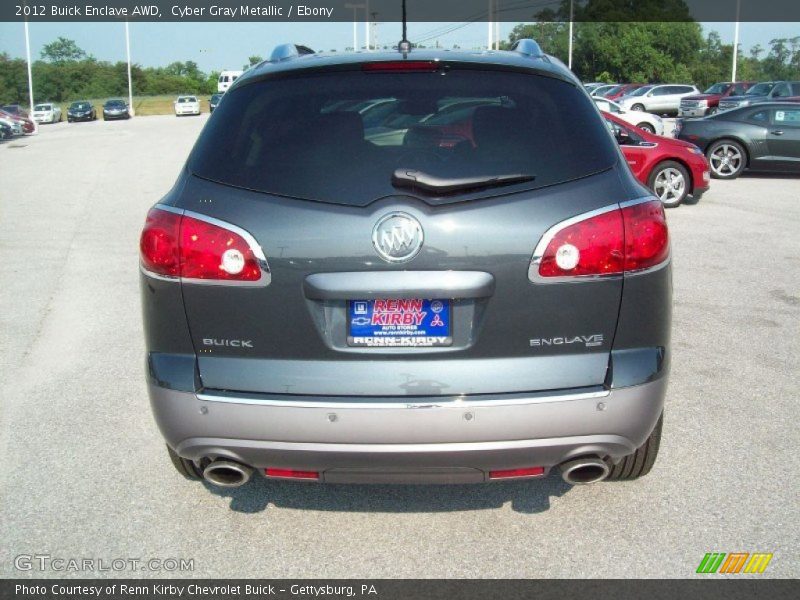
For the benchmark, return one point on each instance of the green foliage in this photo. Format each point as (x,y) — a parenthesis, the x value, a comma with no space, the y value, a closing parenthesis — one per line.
(252,61)
(652,52)
(62,50)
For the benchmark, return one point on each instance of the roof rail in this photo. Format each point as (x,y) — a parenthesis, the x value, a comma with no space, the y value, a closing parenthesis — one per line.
(289,51)
(528,47)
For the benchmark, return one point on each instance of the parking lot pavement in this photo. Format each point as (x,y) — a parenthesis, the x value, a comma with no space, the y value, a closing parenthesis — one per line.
(85,475)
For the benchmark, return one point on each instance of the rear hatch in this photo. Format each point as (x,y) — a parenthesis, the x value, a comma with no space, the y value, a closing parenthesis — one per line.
(398,254)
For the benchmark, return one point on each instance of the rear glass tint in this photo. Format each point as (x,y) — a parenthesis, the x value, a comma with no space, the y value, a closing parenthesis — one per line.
(339,137)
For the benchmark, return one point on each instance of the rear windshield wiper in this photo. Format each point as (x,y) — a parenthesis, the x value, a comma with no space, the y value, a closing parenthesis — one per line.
(433,183)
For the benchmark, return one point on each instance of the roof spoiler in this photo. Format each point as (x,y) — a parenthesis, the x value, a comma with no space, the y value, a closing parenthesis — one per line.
(288,52)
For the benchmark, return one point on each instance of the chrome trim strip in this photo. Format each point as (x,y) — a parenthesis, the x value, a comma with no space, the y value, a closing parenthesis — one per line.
(538,253)
(255,247)
(158,276)
(416,405)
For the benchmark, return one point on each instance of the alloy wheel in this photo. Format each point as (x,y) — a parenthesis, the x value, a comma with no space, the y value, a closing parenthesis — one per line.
(670,186)
(725,160)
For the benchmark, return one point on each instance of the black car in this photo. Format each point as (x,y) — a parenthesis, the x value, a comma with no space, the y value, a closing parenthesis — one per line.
(765,137)
(473,287)
(213,102)
(116,109)
(5,132)
(81,110)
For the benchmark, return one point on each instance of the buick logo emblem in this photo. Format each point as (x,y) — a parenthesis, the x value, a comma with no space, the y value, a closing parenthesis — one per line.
(397,237)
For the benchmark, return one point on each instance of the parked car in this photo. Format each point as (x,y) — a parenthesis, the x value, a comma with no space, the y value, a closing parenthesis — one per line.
(599,92)
(765,137)
(226,79)
(659,99)
(707,103)
(13,122)
(213,102)
(374,323)
(46,112)
(643,120)
(675,170)
(116,109)
(766,91)
(25,124)
(81,110)
(15,109)
(622,90)
(590,87)
(187,105)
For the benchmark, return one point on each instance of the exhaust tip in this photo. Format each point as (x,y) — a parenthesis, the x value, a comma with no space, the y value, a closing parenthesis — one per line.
(226,473)
(582,471)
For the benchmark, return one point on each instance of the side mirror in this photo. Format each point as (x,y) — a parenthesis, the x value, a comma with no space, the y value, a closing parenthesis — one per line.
(622,136)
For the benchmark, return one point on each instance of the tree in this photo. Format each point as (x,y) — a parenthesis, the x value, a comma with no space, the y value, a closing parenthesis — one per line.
(252,61)
(62,50)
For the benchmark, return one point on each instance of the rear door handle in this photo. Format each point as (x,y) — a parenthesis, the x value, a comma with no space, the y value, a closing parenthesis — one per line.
(777,132)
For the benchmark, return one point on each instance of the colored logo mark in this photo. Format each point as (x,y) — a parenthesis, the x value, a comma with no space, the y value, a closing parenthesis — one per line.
(733,563)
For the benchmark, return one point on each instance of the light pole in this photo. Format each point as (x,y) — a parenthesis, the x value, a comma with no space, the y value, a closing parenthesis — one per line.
(571,15)
(130,81)
(355,7)
(735,42)
(30,72)
(366,22)
(490,27)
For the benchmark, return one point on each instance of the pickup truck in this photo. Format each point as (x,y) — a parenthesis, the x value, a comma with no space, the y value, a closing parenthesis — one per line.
(766,91)
(707,103)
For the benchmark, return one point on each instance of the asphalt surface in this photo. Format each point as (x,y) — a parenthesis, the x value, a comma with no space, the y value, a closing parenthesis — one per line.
(84,472)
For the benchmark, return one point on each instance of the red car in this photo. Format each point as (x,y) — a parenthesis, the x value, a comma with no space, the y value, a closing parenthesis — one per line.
(673,169)
(622,89)
(28,126)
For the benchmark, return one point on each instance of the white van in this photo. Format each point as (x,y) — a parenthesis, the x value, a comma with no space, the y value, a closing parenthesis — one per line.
(226,78)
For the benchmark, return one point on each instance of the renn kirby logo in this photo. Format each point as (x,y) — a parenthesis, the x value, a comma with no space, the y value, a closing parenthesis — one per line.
(733,563)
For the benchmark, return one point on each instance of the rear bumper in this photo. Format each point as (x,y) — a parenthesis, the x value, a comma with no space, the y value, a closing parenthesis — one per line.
(416,441)
(693,112)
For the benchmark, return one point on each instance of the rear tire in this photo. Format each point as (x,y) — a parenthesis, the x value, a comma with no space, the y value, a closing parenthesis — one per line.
(638,107)
(647,127)
(639,463)
(183,466)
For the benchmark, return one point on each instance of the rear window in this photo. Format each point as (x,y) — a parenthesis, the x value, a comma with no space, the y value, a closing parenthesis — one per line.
(42,107)
(340,137)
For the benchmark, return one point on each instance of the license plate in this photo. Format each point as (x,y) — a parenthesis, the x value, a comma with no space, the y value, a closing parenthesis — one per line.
(398,323)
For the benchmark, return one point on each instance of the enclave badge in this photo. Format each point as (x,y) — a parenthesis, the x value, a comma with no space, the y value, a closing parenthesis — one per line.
(397,237)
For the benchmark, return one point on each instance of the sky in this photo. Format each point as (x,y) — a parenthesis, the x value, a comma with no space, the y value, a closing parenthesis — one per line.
(218,46)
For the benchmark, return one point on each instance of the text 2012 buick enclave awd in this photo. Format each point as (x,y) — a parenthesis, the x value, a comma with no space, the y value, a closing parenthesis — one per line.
(432,267)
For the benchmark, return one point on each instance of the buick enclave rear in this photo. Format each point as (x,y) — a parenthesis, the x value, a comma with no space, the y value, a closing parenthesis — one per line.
(433,267)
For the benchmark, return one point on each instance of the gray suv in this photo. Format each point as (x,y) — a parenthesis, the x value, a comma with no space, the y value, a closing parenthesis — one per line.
(424,267)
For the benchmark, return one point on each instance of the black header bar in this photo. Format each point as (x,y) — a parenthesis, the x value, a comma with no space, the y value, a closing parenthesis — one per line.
(514,11)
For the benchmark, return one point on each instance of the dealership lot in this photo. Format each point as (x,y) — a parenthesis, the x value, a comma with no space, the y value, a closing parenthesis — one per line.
(85,474)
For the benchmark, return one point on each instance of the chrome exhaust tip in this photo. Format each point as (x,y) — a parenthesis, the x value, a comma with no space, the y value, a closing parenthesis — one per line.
(226,473)
(581,471)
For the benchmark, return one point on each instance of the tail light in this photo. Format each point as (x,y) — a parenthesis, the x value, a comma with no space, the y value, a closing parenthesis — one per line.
(290,473)
(197,248)
(400,66)
(610,241)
